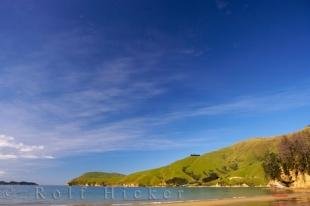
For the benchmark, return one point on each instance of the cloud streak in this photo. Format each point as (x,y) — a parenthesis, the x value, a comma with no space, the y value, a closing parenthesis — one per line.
(68,108)
(10,149)
(275,101)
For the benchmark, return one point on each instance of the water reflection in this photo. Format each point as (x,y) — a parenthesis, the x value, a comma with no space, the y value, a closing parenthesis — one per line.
(300,201)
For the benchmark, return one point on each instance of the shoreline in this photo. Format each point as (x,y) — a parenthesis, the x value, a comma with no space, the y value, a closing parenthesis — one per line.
(235,201)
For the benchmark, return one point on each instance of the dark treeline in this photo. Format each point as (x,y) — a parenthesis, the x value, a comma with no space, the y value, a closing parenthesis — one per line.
(292,158)
(17,183)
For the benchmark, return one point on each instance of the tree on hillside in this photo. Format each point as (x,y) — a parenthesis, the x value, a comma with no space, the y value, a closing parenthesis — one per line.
(287,153)
(177,181)
(210,176)
(294,153)
(293,157)
(196,177)
(272,166)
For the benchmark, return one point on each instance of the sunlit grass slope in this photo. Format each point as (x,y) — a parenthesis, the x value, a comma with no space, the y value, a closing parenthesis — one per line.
(235,165)
(97,178)
(238,164)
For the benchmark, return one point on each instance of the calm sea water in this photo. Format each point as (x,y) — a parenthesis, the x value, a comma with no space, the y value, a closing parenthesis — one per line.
(64,195)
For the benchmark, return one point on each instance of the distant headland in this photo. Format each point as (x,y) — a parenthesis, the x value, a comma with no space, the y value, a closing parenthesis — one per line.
(17,183)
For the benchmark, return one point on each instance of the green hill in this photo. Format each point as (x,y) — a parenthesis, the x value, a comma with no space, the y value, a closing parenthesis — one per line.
(238,164)
(97,179)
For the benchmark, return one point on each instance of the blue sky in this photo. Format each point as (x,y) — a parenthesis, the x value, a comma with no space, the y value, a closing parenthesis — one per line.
(130,85)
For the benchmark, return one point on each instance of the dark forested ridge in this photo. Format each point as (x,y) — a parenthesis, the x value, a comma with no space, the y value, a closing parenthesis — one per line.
(17,183)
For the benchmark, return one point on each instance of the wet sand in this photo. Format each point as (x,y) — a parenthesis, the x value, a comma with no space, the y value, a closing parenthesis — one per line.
(244,201)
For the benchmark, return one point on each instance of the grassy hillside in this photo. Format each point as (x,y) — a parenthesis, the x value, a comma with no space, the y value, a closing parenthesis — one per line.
(97,178)
(238,164)
(235,165)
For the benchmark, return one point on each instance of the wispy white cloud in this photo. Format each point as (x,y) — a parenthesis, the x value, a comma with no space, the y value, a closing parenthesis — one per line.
(70,133)
(10,149)
(67,109)
(2,173)
(7,156)
(275,101)
(120,134)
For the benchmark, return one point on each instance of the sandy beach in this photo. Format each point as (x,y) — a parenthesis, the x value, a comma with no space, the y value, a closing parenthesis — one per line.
(243,201)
